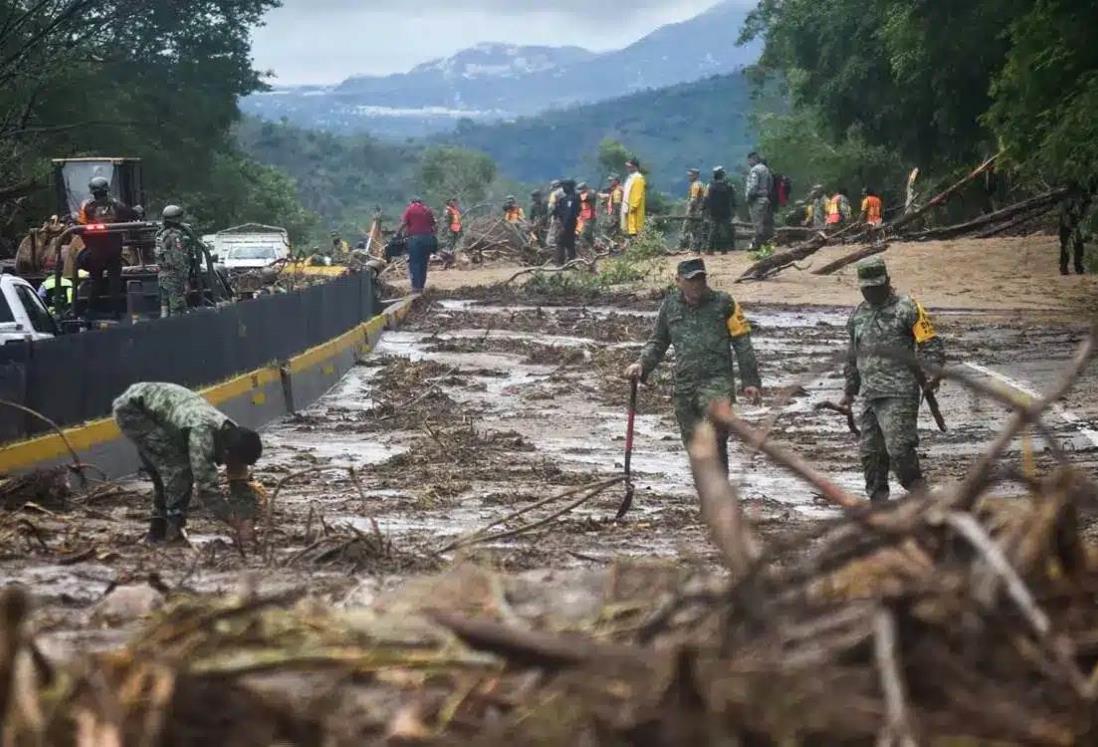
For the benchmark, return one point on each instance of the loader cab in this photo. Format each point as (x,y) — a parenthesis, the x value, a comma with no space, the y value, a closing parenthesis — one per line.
(71,177)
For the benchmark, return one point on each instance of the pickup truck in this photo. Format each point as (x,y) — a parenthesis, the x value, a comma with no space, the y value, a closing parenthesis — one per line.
(251,246)
(23,316)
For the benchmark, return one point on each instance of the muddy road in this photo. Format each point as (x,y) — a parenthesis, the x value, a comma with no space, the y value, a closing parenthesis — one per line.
(474,410)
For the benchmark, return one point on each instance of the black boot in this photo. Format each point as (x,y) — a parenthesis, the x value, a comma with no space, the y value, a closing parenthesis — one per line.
(158,528)
(1064,270)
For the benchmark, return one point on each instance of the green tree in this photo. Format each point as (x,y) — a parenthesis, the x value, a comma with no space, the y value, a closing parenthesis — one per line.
(909,75)
(612,156)
(1046,97)
(157,79)
(446,172)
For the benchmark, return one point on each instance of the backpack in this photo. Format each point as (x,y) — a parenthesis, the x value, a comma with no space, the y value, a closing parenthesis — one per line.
(781,187)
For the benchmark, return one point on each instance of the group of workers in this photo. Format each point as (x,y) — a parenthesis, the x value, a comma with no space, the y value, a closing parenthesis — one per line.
(822,210)
(709,223)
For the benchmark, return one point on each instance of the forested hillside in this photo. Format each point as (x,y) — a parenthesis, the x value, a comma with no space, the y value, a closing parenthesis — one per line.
(880,86)
(160,81)
(701,124)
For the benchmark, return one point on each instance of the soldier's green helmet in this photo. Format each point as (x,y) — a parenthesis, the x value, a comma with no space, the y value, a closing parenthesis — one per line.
(172,213)
(872,272)
(99,185)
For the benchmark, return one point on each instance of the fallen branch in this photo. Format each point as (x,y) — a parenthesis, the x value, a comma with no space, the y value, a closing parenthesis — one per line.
(578,262)
(78,466)
(720,503)
(479,536)
(1042,203)
(898,730)
(721,414)
(849,259)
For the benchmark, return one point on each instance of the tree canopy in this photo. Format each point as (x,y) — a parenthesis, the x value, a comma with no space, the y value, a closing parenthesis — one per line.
(155,79)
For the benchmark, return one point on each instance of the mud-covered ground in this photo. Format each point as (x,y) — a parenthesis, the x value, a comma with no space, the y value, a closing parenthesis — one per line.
(476,409)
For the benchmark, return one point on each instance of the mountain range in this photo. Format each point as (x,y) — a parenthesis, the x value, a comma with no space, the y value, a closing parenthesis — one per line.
(494,82)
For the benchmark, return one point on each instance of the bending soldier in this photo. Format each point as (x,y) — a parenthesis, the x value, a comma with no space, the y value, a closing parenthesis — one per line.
(704,326)
(181,438)
(882,328)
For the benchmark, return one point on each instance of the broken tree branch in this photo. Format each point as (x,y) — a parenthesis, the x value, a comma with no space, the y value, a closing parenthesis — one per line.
(849,259)
(721,507)
(721,414)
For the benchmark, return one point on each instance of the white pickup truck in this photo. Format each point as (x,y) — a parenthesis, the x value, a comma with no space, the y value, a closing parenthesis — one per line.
(250,246)
(23,316)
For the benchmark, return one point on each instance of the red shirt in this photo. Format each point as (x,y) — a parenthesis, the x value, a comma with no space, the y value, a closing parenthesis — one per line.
(419,219)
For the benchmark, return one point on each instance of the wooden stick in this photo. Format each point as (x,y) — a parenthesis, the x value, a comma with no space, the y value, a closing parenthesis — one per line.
(978,473)
(77,464)
(898,730)
(1041,202)
(721,414)
(941,197)
(720,503)
(460,541)
(849,259)
(550,268)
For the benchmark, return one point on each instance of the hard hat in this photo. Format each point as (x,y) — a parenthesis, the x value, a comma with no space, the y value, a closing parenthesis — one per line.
(695,172)
(581,185)
(718,172)
(99,184)
(172,212)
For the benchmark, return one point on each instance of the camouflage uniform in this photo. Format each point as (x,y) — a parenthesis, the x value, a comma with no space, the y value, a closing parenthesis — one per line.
(819,211)
(889,387)
(692,228)
(757,191)
(174,431)
(174,259)
(701,336)
(1073,213)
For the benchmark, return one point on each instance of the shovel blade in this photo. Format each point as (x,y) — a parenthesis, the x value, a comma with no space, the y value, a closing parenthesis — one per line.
(626,503)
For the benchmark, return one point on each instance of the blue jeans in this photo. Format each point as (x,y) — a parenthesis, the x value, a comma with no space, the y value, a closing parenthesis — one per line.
(420,249)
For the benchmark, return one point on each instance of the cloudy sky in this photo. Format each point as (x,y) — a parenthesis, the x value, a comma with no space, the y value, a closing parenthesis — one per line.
(325,41)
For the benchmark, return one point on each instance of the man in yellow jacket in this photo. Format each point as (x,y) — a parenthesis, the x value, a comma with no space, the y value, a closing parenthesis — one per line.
(633,206)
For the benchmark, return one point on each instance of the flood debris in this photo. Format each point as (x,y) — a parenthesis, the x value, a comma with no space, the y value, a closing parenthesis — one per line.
(956,616)
(48,488)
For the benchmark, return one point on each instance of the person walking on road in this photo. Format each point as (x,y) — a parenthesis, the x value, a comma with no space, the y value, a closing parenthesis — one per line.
(720,210)
(180,439)
(418,226)
(704,326)
(880,328)
(566,215)
(173,257)
(634,200)
(757,191)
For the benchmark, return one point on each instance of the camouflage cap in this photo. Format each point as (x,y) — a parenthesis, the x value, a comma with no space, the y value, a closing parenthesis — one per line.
(691,268)
(872,272)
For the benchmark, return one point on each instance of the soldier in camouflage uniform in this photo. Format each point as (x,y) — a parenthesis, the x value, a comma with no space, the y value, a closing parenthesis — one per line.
(888,386)
(757,190)
(1073,213)
(704,326)
(173,256)
(181,438)
(692,228)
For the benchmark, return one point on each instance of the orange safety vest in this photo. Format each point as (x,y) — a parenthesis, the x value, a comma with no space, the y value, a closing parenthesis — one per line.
(872,208)
(454,216)
(513,215)
(834,212)
(587,207)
